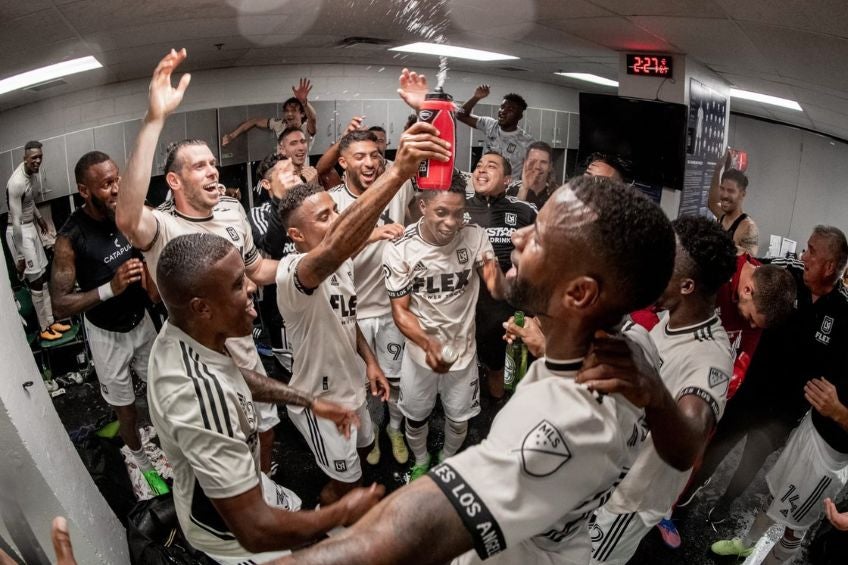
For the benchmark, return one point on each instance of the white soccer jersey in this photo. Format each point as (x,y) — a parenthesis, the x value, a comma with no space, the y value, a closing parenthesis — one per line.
(693,360)
(511,144)
(204,415)
(227,220)
(321,323)
(443,284)
(21,188)
(372,300)
(553,455)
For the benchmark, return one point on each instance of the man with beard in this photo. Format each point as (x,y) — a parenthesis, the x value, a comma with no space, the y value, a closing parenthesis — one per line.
(91,252)
(727,195)
(360,157)
(502,134)
(433,276)
(23,241)
(557,448)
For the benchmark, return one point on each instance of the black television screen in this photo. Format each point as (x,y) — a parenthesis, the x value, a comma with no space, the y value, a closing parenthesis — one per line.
(650,134)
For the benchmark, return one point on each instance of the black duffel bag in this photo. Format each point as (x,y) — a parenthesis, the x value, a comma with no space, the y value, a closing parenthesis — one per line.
(154,536)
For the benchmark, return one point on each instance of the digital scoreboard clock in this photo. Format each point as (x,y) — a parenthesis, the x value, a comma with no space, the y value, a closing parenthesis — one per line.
(649,65)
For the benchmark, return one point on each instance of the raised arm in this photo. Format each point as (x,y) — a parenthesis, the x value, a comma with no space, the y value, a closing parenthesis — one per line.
(714,200)
(66,302)
(416,524)
(327,163)
(245,126)
(352,228)
(464,115)
(136,221)
(301,92)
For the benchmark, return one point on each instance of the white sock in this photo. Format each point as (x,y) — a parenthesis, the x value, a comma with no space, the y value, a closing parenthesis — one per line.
(760,526)
(455,433)
(785,549)
(142,460)
(395,415)
(417,440)
(42,308)
(48,301)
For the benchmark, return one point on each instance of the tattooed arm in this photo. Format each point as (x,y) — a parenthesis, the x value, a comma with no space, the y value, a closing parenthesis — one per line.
(747,238)
(416,524)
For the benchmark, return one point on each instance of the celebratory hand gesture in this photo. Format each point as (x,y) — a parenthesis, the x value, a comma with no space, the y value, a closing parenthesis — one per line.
(163,98)
(302,90)
(131,271)
(413,88)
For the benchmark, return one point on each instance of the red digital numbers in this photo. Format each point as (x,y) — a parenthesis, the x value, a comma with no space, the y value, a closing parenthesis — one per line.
(649,65)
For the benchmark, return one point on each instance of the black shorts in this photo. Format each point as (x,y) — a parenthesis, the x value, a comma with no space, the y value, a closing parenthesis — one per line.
(490,317)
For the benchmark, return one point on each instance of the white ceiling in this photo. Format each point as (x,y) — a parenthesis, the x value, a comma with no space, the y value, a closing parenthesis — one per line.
(791,48)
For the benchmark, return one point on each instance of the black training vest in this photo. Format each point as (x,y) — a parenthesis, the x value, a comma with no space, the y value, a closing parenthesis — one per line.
(732,229)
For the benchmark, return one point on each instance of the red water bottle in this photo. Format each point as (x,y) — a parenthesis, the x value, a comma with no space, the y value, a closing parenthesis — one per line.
(438,109)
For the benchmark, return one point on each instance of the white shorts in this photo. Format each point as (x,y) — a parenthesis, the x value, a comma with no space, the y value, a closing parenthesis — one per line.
(616,537)
(243,352)
(336,455)
(32,250)
(387,342)
(807,472)
(277,496)
(114,353)
(419,386)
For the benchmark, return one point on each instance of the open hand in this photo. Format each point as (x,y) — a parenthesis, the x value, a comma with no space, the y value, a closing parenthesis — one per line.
(413,88)
(342,417)
(131,271)
(163,98)
(302,90)
(481,91)
(359,501)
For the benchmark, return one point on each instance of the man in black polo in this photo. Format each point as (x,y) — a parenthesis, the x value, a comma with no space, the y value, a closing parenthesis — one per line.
(500,215)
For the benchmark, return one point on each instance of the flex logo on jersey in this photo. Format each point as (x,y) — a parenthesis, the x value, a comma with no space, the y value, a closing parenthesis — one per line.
(462,255)
(437,284)
(232,233)
(344,305)
(823,335)
(543,450)
(717,377)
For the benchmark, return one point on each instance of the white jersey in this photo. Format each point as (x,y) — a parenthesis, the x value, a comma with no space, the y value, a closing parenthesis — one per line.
(512,145)
(278,126)
(443,284)
(694,360)
(204,415)
(372,300)
(553,455)
(321,324)
(21,202)
(227,220)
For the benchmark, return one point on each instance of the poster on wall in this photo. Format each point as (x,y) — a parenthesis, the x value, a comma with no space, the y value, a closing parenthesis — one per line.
(705,139)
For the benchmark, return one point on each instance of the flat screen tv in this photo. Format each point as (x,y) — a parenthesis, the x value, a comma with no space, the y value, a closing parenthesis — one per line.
(650,134)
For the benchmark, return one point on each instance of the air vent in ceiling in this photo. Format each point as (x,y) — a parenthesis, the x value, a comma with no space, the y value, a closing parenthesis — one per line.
(514,69)
(356,40)
(45,85)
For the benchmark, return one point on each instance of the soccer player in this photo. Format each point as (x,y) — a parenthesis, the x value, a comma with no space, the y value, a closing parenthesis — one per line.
(204,413)
(695,364)
(727,195)
(361,159)
(91,252)
(316,294)
(433,277)
(24,243)
(556,449)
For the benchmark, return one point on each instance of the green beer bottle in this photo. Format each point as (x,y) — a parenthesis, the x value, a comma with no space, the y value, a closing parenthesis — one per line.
(515,363)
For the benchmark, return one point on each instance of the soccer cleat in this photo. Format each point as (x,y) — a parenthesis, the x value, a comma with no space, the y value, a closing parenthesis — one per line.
(374,456)
(49,335)
(155,482)
(691,497)
(399,450)
(669,533)
(731,547)
(419,469)
(59,327)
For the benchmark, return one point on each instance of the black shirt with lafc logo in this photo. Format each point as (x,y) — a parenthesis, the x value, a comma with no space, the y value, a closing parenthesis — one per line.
(500,216)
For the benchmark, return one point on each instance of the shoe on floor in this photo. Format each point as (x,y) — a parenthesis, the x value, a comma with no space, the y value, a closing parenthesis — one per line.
(399,450)
(731,547)
(374,456)
(49,335)
(155,482)
(419,469)
(669,533)
(59,327)
(718,513)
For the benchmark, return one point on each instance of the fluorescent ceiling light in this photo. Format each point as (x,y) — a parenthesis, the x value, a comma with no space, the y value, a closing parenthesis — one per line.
(590,78)
(452,51)
(765,99)
(49,72)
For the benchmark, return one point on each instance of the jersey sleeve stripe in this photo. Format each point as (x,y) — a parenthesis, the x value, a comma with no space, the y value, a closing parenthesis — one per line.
(611,539)
(197,390)
(222,401)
